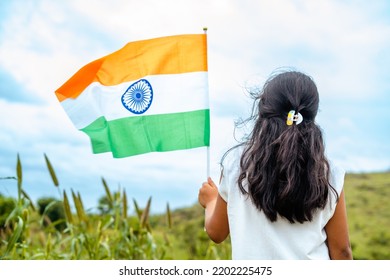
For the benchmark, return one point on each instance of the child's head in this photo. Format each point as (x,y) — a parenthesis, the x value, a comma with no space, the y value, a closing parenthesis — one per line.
(283,166)
(289,91)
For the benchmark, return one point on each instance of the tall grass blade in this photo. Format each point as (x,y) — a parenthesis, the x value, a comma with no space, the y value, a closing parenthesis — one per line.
(108,193)
(81,201)
(15,236)
(82,208)
(29,199)
(145,214)
(45,211)
(137,210)
(48,246)
(19,176)
(124,199)
(169,217)
(51,171)
(76,205)
(14,213)
(8,178)
(68,212)
(79,208)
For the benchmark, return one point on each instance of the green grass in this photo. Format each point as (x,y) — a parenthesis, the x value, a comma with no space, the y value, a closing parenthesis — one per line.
(368,209)
(28,233)
(187,237)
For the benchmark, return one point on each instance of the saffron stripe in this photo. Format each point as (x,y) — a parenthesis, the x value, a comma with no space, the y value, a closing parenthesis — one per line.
(154,133)
(165,55)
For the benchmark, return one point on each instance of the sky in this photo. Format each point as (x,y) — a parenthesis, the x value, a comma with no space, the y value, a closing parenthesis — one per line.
(343,45)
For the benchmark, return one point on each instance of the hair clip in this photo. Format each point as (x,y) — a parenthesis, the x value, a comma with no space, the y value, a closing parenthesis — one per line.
(292,117)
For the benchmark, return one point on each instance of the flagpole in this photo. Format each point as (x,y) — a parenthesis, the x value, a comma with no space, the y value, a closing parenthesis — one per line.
(208,161)
(208,103)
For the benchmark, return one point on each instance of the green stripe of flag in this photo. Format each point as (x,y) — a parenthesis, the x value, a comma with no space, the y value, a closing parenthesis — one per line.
(154,133)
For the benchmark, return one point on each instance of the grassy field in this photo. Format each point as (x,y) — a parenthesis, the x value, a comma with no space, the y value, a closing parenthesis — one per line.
(62,229)
(368,207)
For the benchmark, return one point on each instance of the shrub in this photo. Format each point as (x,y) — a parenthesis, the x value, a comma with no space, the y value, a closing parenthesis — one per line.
(52,211)
(7,205)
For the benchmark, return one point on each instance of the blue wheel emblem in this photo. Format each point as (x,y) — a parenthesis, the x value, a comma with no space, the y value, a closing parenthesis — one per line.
(138,97)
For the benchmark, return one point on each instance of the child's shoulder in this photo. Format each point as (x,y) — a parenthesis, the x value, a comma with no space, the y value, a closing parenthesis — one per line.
(337,174)
(232,156)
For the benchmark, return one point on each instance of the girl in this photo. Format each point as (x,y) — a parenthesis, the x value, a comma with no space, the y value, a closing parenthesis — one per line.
(279,196)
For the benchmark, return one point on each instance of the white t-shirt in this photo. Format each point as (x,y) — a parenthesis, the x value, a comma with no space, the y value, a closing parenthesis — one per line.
(253,236)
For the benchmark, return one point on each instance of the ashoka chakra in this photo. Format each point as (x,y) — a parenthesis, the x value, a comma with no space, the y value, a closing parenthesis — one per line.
(138,97)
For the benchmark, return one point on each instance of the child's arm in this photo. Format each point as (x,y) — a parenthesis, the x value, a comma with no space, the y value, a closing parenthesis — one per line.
(337,232)
(216,219)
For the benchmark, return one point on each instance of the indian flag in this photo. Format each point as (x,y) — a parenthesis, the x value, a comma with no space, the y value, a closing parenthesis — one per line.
(149,96)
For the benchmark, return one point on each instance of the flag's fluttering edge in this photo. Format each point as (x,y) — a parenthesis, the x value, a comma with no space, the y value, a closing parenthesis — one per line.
(149,96)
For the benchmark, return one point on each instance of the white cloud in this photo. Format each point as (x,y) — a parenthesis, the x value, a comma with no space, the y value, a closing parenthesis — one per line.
(249,37)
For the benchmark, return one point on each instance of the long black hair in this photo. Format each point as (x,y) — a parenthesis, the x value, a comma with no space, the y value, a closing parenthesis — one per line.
(283,168)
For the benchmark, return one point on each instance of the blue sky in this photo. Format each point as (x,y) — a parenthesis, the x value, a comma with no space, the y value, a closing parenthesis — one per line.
(343,45)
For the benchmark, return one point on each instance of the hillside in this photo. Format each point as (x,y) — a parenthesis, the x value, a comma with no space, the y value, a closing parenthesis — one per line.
(368,207)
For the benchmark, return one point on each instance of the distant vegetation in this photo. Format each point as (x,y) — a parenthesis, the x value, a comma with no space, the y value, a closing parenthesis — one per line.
(56,228)
(368,207)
